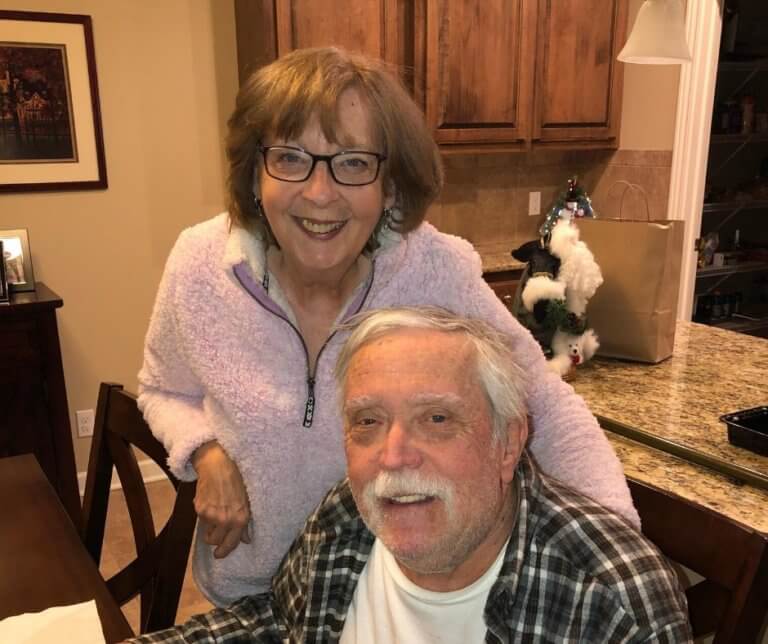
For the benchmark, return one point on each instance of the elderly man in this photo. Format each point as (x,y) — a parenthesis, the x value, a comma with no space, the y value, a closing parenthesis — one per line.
(444,530)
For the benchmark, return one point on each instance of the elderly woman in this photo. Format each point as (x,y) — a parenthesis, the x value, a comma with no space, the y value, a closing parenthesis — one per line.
(331,172)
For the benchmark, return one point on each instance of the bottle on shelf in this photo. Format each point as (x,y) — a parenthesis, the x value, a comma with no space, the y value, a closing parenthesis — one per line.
(736,304)
(761,122)
(747,114)
(717,306)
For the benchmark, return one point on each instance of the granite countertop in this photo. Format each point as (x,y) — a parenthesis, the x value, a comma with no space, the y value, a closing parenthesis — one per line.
(711,372)
(743,503)
(496,256)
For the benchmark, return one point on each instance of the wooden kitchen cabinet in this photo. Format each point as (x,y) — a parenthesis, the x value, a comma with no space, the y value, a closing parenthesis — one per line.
(578,81)
(478,70)
(490,74)
(506,74)
(504,284)
(267,29)
(34,416)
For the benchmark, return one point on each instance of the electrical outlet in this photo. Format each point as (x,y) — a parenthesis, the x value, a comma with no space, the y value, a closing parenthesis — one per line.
(84,422)
(534,203)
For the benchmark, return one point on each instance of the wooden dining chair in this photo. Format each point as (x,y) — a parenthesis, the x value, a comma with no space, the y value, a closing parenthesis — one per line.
(157,572)
(733,559)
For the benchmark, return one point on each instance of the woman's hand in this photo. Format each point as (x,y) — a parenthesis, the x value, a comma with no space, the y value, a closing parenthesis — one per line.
(221,500)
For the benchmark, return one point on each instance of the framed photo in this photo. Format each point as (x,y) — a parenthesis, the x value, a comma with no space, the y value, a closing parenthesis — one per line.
(17,260)
(50,121)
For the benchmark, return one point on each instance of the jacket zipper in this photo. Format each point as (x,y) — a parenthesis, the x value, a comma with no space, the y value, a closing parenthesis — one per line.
(309,406)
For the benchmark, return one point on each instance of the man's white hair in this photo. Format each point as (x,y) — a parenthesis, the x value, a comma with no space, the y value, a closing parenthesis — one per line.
(500,377)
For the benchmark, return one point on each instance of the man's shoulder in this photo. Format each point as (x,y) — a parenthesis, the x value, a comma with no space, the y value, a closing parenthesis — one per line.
(595,561)
(336,511)
(593,539)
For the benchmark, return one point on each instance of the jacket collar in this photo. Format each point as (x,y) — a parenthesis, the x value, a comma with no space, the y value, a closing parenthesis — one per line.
(246,249)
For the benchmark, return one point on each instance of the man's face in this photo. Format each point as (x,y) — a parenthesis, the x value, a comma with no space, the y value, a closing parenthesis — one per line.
(423,468)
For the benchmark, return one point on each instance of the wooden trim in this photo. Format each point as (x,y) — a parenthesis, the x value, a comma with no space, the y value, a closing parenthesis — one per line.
(389,50)
(283,27)
(420,55)
(254,50)
(527,77)
(432,69)
(617,76)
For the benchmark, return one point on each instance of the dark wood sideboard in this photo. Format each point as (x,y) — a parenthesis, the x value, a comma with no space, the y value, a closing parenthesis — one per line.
(34,416)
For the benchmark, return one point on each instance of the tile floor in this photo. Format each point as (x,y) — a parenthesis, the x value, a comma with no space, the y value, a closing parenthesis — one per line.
(119,549)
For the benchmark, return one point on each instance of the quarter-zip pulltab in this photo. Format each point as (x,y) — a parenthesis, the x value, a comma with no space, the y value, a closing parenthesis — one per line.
(309,408)
(250,287)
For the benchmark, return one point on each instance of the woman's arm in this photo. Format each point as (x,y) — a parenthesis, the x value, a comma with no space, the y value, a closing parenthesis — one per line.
(566,440)
(170,396)
(171,399)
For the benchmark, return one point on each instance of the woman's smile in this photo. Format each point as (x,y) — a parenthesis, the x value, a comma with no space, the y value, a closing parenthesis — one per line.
(319,229)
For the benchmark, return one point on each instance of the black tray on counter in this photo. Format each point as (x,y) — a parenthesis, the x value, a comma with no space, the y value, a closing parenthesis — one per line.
(748,429)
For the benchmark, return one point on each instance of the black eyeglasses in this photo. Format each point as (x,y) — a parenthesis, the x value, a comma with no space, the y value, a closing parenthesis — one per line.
(348,168)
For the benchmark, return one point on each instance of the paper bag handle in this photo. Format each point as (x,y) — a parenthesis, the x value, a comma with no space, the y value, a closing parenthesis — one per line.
(629,187)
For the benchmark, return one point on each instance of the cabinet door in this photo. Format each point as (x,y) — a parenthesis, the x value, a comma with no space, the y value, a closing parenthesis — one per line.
(478,70)
(366,26)
(578,79)
(505,284)
(267,29)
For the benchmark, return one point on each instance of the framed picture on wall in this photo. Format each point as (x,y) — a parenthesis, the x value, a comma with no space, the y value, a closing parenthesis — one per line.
(17,260)
(50,120)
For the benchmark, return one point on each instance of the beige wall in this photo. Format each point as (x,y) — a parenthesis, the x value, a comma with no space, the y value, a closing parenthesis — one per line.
(649,103)
(167,78)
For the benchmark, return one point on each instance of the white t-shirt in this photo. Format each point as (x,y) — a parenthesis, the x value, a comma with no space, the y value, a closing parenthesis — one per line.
(388,608)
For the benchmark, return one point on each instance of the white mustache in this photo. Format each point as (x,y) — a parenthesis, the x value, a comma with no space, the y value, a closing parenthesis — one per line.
(406,483)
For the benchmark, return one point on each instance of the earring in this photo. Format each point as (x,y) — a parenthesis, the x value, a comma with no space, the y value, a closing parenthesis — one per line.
(259,207)
(387,218)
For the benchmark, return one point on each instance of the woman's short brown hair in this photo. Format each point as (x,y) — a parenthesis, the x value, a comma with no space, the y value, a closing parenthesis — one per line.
(280,98)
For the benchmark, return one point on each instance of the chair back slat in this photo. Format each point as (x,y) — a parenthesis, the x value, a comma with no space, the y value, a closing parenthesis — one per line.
(126,420)
(732,558)
(157,572)
(136,499)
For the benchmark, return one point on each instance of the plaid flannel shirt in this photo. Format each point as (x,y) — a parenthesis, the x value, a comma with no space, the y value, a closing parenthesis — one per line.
(573,572)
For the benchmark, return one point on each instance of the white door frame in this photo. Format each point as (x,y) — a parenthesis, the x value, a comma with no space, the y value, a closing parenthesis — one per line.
(693,123)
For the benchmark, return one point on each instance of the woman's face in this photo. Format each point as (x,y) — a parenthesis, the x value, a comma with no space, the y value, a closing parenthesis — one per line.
(322,226)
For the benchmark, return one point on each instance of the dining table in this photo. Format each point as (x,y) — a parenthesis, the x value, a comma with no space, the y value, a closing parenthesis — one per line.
(43,562)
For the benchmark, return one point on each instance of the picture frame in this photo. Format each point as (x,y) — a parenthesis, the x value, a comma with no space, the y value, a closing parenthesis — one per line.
(17,260)
(4,297)
(51,136)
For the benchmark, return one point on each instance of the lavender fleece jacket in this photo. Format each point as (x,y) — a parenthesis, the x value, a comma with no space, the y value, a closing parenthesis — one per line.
(223,361)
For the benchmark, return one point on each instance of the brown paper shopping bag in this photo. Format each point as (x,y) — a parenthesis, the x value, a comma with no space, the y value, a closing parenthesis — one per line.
(635,310)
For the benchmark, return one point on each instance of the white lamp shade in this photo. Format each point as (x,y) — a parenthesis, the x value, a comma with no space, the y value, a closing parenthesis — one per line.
(658,36)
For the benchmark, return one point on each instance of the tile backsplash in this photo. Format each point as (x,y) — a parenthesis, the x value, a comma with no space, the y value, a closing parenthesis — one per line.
(485,198)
